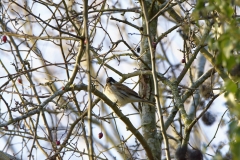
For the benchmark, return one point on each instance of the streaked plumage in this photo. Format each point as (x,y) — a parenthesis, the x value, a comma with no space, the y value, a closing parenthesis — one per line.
(120,93)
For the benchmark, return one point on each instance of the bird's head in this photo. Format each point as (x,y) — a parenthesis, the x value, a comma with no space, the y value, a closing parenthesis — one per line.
(110,80)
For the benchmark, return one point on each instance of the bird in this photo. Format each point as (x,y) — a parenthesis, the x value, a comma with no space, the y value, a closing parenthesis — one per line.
(121,94)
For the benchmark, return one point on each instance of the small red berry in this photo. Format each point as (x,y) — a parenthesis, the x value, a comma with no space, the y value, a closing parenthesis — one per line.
(85,41)
(183,60)
(20,80)
(58,143)
(154,45)
(63,88)
(4,39)
(100,135)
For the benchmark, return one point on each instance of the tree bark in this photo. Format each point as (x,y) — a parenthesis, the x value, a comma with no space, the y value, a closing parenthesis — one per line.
(146,86)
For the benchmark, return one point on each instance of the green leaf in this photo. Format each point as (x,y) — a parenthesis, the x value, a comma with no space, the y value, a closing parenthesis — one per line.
(231,86)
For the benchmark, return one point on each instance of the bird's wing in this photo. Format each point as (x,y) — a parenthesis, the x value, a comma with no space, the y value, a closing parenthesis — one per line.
(122,88)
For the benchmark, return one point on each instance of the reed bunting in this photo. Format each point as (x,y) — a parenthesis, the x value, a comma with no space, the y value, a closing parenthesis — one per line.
(121,94)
